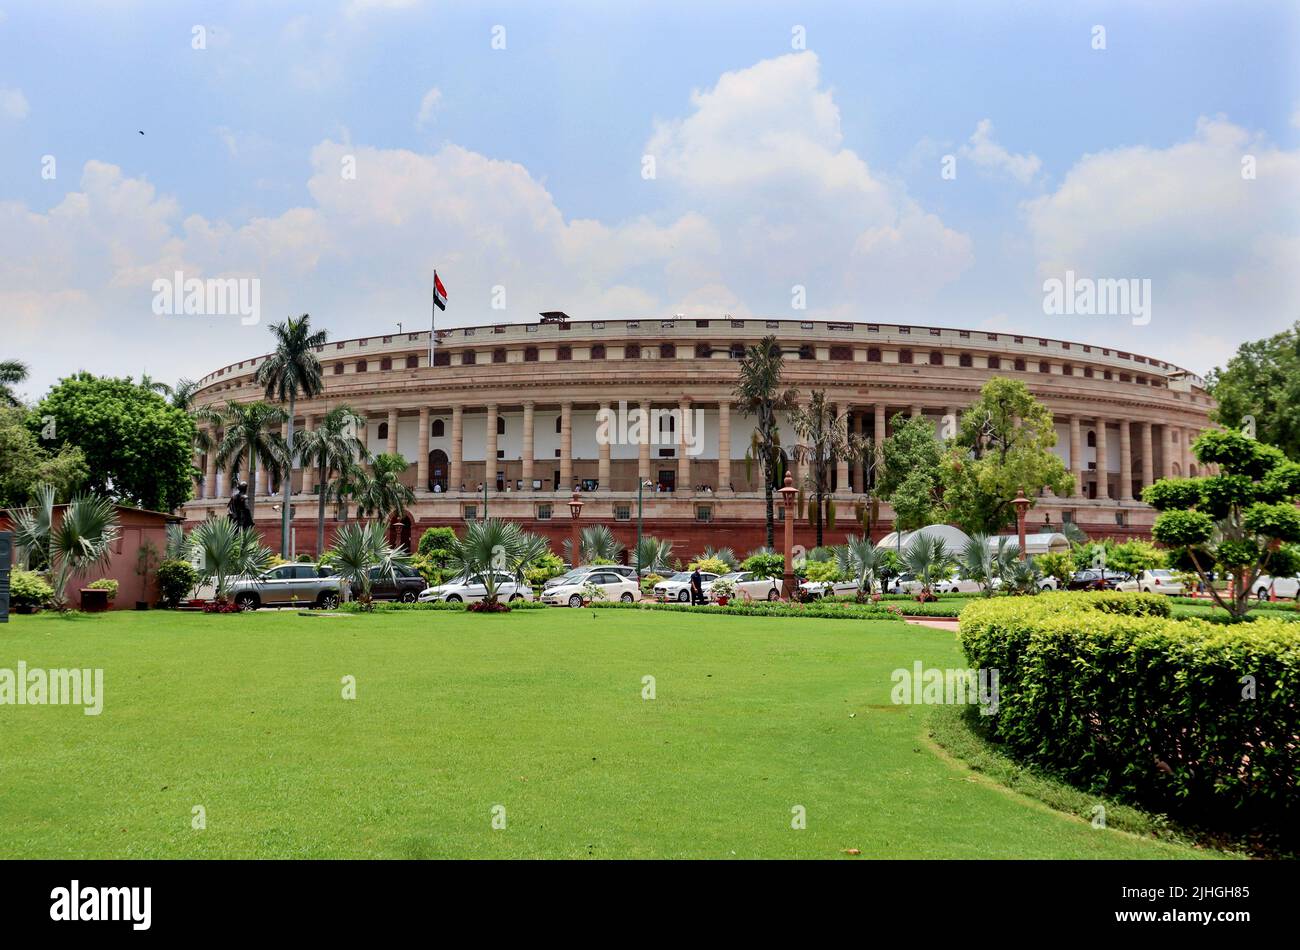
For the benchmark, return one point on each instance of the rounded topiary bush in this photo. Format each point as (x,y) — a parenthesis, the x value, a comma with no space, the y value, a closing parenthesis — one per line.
(175,581)
(28,591)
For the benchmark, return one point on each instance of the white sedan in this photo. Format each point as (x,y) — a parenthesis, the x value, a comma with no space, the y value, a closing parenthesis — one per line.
(678,587)
(814,589)
(956,585)
(1283,588)
(1153,582)
(473,589)
(613,586)
(749,586)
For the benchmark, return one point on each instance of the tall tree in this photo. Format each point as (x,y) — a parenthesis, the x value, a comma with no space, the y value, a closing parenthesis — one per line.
(1004,445)
(25,463)
(1261,384)
(12,372)
(910,457)
(824,440)
(759,394)
(380,493)
(139,449)
(249,437)
(332,446)
(292,370)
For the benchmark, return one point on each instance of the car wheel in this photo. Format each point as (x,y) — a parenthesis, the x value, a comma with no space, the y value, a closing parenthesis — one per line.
(575,600)
(409,597)
(683,597)
(627,597)
(1261,594)
(1146,590)
(327,601)
(773,594)
(453,598)
(514,597)
(246,601)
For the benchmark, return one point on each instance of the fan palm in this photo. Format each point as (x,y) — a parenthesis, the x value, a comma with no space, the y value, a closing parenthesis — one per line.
(380,493)
(292,369)
(224,552)
(83,538)
(596,545)
(360,549)
(928,559)
(492,547)
(11,373)
(977,563)
(653,554)
(758,394)
(331,446)
(248,436)
(859,559)
(726,555)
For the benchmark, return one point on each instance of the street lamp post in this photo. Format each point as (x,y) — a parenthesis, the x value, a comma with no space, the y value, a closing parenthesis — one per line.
(640,484)
(575,512)
(788,493)
(1022,506)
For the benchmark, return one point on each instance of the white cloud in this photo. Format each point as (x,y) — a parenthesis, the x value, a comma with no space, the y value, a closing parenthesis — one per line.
(430,104)
(985,153)
(13,104)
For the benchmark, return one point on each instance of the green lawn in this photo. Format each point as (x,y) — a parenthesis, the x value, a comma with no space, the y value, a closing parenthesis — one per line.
(538,711)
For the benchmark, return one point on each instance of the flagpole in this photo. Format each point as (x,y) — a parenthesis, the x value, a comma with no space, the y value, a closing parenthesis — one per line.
(433,315)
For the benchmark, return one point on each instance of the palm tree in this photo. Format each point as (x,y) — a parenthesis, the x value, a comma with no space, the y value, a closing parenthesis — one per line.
(758,394)
(248,436)
(596,545)
(225,552)
(11,373)
(292,369)
(493,547)
(977,563)
(824,441)
(928,559)
(156,386)
(380,492)
(653,553)
(726,555)
(360,549)
(83,538)
(331,446)
(860,559)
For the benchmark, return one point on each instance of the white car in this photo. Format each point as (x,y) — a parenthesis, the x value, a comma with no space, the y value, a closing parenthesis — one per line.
(678,587)
(815,589)
(469,589)
(1044,583)
(616,587)
(748,586)
(585,569)
(1283,588)
(1153,582)
(957,585)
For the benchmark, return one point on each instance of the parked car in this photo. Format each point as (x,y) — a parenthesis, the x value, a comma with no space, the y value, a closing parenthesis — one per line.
(956,585)
(616,587)
(1280,587)
(303,585)
(1094,579)
(748,586)
(405,586)
(569,577)
(812,590)
(470,589)
(1153,582)
(905,583)
(678,587)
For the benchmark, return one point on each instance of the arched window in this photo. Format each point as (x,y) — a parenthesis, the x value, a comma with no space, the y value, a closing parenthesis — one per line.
(386,363)
(501,425)
(362,366)
(439,429)
(530,354)
(598,351)
(965,360)
(1020,364)
(564,353)
(995,362)
(904,356)
(667,351)
(499,355)
(468,357)
(873,355)
(1092,439)
(412,362)
(559,424)
(383,431)
(936,358)
(667,424)
(632,351)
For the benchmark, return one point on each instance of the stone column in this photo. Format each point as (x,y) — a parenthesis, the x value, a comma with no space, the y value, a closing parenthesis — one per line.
(456,467)
(1125,462)
(566,447)
(878,435)
(391,448)
(643,455)
(602,446)
(724,446)
(1103,462)
(490,455)
(955,414)
(683,457)
(1166,451)
(841,465)
(1148,456)
(916,412)
(528,447)
(1188,458)
(857,425)
(1076,456)
(210,468)
(422,451)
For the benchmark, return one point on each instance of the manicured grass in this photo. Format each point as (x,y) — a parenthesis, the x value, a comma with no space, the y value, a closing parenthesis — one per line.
(538,711)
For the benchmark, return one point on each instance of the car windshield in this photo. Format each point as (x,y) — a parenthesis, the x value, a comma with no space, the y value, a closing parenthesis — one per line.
(731,577)
(1163,573)
(682,576)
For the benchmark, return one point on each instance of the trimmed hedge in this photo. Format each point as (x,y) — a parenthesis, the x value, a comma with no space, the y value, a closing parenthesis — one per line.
(383,606)
(1107,691)
(816,609)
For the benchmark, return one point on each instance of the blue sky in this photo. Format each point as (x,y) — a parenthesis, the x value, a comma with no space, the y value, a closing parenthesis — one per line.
(775,166)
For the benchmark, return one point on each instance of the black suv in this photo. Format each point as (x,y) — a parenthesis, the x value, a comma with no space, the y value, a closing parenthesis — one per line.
(406,587)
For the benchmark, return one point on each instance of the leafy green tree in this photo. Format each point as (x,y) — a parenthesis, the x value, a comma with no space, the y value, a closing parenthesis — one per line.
(823,440)
(12,372)
(764,564)
(25,463)
(138,448)
(291,370)
(1262,383)
(1004,444)
(910,480)
(249,437)
(331,447)
(1242,522)
(1135,556)
(1057,564)
(759,394)
(436,544)
(71,545)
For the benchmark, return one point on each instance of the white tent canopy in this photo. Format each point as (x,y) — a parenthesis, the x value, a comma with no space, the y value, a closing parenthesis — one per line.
(954,539)
(1053,542)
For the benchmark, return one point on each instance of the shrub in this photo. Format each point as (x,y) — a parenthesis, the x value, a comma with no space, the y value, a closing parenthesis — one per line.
(105,583)
(1195,719)
(710,565)
(29,591)
(436,544)
(823,571)
(764,564)
(175,581)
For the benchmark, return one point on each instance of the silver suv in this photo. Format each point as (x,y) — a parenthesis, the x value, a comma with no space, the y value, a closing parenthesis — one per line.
(289,585)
